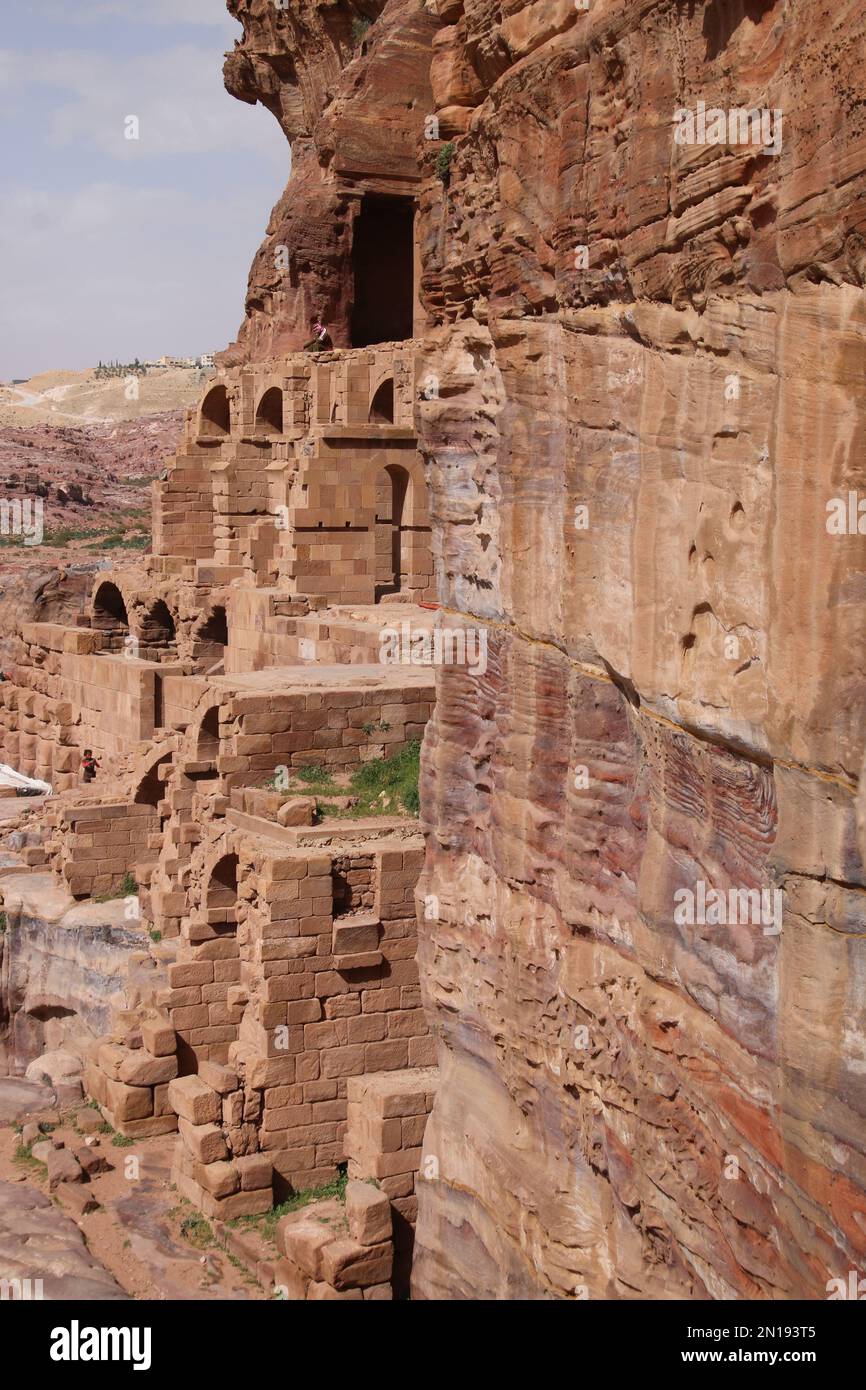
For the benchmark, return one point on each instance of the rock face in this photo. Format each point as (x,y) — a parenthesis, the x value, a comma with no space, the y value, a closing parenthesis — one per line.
(353,103)
(645,348)
(631,458)
(63,968)
(43,1254)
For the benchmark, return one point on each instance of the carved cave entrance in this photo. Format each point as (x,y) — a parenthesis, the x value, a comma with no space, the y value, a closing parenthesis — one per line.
(383,260)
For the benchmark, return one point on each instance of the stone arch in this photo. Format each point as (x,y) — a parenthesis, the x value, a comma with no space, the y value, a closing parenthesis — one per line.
(215,416)
(151,788)
(208,740)
(404,563)
(211,639)
(109,615)
(393,489)
(158,631)
(382,404)
(269,415)
(222,893)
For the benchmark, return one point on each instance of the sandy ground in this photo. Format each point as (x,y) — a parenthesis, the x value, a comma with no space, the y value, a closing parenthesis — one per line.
(137,1233)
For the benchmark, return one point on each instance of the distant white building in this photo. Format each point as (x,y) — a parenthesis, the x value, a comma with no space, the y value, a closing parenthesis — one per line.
(205,360)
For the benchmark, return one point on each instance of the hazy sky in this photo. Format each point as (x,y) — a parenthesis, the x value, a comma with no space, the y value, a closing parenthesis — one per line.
(111,247)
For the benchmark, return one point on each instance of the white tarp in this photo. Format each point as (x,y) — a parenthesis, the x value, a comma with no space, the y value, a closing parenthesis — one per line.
(10,778)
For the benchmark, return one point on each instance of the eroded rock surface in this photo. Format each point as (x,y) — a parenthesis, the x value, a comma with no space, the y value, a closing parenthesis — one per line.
(41,1245)
(63,966)
(674,691)
(645,357)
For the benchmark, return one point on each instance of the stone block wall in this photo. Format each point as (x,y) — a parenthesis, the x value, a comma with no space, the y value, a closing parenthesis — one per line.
(339,728)
(362,1248)
(332,996)
(183,508)
(334,1250)
(267,628)
(217,1164)
(129,1072)
(386,1119)
(301,978)
(203,1002)
(96,845)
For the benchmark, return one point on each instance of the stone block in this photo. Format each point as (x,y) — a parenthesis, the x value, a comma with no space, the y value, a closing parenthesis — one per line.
(158,1037)
(346,1264)
(206,1142)
(256,1172)
(194,1101)
(368,1212)
(302,1235)
(220,1079)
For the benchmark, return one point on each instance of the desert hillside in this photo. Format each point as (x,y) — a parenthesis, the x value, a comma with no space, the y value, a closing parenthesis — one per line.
(77,459)
(82,398)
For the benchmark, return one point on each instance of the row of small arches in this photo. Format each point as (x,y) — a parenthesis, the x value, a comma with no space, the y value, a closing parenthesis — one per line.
(158,628)
(215,416)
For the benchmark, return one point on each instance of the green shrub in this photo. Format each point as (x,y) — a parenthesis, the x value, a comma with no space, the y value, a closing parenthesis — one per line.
(443,161)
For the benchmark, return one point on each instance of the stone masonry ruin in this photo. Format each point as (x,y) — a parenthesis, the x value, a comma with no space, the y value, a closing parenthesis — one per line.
(585,392)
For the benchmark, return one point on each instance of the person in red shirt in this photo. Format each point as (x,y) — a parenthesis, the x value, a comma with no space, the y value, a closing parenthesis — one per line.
(89,765)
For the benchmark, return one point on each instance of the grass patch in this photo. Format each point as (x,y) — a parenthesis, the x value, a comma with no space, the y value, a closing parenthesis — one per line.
(23,1156)
(315,776)
(443,161)
(126,888)
(122,1141)
(360,28)
(120,540)
(382,786)
(197,1231)
(394,778)
(266,1223)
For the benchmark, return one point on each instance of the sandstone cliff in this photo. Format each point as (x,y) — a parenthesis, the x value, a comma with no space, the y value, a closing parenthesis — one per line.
(350,87)
(675,687)
(646,358)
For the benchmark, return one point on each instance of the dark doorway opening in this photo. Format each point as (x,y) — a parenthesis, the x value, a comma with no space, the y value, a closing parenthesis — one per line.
(209,736)
(382,404)
(215,412)
(157,632)
(383,261)
(222,895)
(392,492)
(210,641)
(269,416)
(110,616)
(151,788)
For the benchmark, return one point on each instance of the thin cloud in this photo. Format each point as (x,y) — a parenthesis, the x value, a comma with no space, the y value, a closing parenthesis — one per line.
(176,95)
(211,14)
(113,271)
